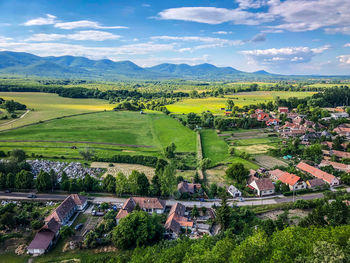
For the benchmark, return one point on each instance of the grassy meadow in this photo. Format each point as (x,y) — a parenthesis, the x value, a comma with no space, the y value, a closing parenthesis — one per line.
(46,106)
(146,134)
(241,99)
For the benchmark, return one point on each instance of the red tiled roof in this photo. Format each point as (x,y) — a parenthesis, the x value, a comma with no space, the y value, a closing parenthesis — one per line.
(176,219)
(290,179)
(316,172)
(340,154)
(276,173)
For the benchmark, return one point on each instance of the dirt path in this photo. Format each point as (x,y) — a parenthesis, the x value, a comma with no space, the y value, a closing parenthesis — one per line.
(83,142)
(22,116)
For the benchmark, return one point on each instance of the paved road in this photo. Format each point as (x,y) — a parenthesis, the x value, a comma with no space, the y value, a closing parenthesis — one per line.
(169,202)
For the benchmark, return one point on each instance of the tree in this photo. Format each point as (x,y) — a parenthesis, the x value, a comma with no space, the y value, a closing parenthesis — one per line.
(43,182)
(109,183)
(142,184)
(121,184)
(17,155)
(24,180)
(36,224)
(230,104)
(2,180)
(90,240)
(104,206)
(337,213)
(313,153)
(204,163)
(155,187)
(137,229)
(337,143)
(324,252)
(10,180)
(74,185)
(54,181)
(213,190)
(87,154)
(66,231)
(88,183)
(195,212)
(168,181)
(170,151)
(8,220)
(65,182)
(237,172)
(223,213)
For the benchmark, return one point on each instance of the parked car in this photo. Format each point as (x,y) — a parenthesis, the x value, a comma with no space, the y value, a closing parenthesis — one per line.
(31,196)
(7,191)
(79,226)
(241,199)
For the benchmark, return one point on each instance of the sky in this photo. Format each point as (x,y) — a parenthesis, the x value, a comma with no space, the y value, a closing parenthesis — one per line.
(279,36)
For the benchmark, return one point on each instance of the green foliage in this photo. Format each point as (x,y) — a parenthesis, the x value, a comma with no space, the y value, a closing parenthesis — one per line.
(66,231)
(137,229)
(237,172)
(43,182)
(24,180)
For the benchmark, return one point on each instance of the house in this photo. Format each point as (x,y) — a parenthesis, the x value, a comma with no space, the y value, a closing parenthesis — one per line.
(147,204)
(283,110)
(262,116)
(263,186)
(270,122)
(315,183)
(253,175)
(276,174)
(190,188)
(293,181)
(328,178)
(312,136)
(66,209)
(176,220)
(338,166)
(339,115)
(234,191)
(44,238)
(342,131)
(340,154)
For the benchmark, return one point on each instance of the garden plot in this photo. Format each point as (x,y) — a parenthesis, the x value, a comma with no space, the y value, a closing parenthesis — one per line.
(124,168)
(268,161)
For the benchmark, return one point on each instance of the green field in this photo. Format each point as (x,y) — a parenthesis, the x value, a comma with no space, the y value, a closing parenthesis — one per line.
(241,99)
(214,148)
(146,134)
(46,106)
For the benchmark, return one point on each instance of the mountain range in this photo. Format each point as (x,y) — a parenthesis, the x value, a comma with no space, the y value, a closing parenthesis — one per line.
(25,64)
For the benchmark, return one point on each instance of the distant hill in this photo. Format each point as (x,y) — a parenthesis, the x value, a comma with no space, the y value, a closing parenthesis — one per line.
(20,63)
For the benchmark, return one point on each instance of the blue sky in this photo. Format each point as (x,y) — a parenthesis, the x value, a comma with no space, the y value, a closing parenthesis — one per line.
(280,36)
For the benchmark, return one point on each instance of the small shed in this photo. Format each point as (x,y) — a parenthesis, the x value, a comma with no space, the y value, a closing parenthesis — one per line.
(234,191)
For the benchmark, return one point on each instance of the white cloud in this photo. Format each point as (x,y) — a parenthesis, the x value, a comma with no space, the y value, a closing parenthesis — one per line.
(341,30)
(344,59)
(307,15)
(61,49)
(81,35)
(48,20)
(259,38)
(347,45)
(84,24)
(222,32)
(288,55)
(214,16)
(245,4)
(209,42)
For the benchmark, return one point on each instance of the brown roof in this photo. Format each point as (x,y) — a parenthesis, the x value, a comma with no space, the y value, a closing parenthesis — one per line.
(264,184)
(316,172)
(290,179)
(42,239)
(276,173)
(315,182)
(62,210)
(142,202)
(176,219)
(335,165)
(79,199)
(52,225)
(185,187)
(340,154)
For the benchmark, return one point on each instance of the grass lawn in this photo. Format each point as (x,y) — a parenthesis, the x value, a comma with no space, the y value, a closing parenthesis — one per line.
(241,99)
(214,147)
(48,106)
(13,258)
(134,131)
